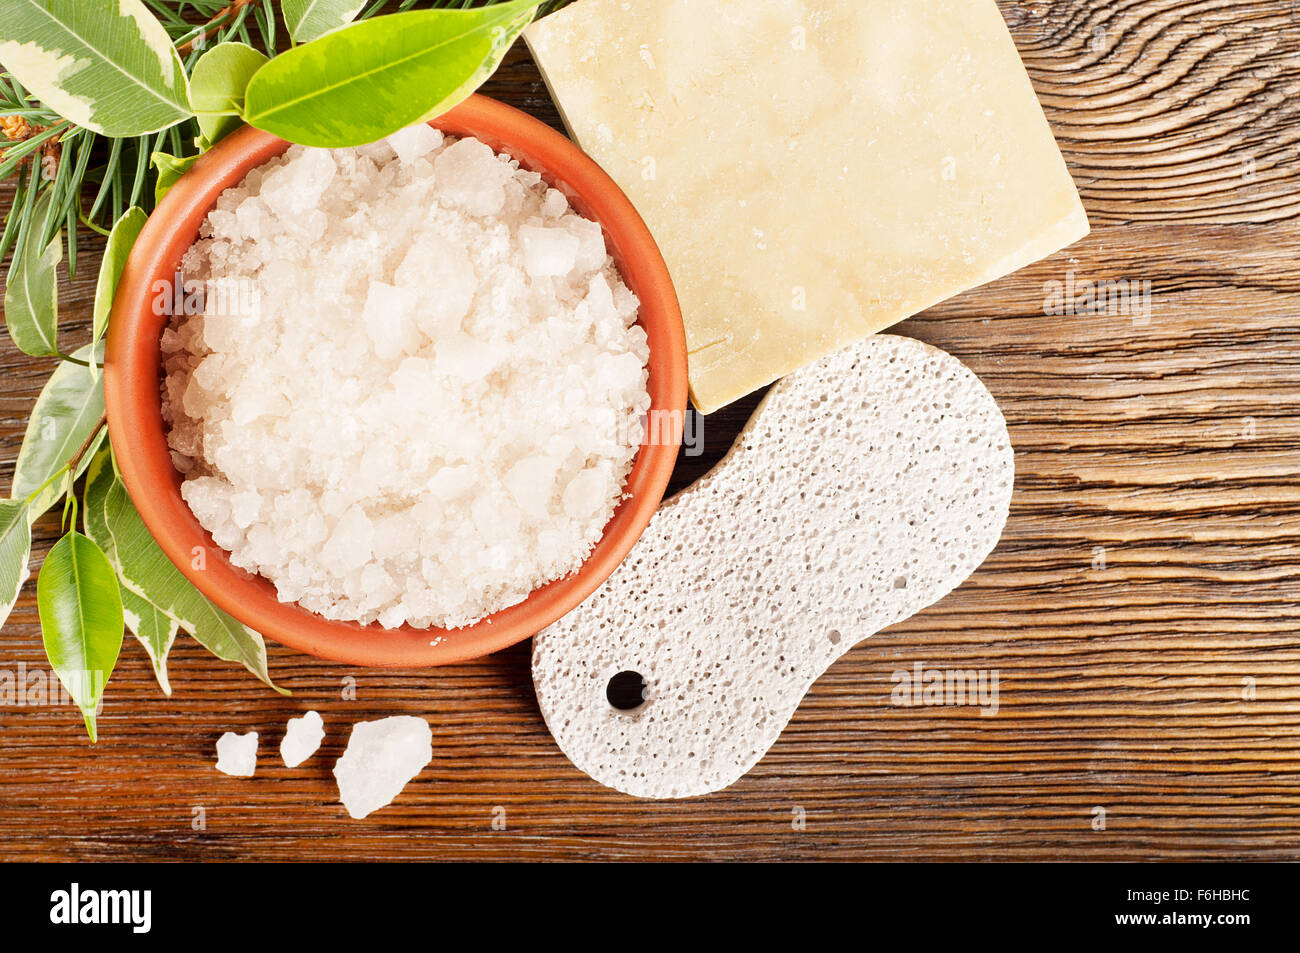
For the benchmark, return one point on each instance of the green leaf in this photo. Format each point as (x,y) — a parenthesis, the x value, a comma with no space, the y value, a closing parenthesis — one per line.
(15,550)
(32,289)
(170,169)
(81,619)
(112,521)
(220,77)
(120,241)
(370,79)
(67,412)
(310,19)
(106,65)
(153,629)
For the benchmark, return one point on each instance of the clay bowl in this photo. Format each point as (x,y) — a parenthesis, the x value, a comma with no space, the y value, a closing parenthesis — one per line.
(133,366)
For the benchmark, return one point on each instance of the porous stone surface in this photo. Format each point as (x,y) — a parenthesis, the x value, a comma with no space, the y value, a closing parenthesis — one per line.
(866,487)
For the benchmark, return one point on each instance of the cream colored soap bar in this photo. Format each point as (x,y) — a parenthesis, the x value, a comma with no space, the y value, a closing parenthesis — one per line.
(813,170)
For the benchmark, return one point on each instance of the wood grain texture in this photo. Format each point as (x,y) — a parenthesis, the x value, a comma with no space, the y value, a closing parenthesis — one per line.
(1142,609)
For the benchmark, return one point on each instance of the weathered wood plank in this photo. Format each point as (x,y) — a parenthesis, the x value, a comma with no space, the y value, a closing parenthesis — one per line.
(1141,611)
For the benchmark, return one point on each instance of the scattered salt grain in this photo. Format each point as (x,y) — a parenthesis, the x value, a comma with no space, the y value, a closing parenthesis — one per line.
(427,406)
(381,758)
(301,739)
(237,754)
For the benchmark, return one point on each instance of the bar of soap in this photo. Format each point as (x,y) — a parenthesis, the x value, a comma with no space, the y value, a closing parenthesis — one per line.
(813,170)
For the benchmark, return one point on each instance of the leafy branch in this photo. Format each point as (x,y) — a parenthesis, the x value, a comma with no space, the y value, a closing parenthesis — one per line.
(158,82)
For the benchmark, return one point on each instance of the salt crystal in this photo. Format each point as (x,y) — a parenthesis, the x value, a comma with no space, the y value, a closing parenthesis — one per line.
(249,218)
(194,399)
(244,508)
(263,546)
(393,618)
(448,272)
(531,481)
(210,375)
(388,319)
(583,495)
(465,357)
(548,252)
(237,754)
(555,204)
(471,176)
(591,242)
(349,546)
(378,152)
(381,758)
(450,482)
(415,141)
(438,350)
(301,738)
(297,186)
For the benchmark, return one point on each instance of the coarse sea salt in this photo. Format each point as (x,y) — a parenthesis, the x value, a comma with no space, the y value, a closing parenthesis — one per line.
(381,758)
(237,754)
(302,738)
(427,399)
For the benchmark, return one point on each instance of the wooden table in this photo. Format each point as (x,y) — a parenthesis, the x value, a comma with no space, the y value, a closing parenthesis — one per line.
(1142,610)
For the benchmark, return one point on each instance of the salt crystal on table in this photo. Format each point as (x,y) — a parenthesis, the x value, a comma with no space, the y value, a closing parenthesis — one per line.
(301,738)
(381,758)
(237,754)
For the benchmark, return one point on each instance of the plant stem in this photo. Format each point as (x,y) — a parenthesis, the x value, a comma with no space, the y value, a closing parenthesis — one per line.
(69,505)
(213,25)
(81,451)
(93,227)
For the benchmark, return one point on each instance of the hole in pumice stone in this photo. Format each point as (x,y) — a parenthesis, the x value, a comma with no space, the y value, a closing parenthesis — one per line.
(626,691)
